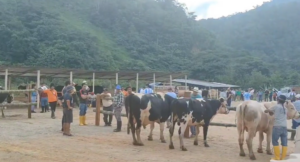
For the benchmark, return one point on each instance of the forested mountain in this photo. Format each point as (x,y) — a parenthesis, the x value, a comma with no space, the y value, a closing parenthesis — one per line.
(250,49)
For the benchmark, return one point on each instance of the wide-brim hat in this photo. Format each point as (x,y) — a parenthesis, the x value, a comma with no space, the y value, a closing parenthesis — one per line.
(281,98)
(196,89)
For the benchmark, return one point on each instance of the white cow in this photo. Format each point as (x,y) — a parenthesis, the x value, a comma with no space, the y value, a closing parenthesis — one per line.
(251,117)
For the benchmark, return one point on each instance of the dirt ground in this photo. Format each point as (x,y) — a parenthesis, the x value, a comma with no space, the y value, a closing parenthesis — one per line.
(39,140)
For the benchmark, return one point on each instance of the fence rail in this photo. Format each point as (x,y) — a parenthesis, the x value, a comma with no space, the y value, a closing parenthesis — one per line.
(16,91)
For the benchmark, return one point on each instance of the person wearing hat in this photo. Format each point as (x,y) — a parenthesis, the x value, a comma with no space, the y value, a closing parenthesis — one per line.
(279,127)
(67,110)
(83,104)
(296,122)
(107,101)
(44,99)
(194,95)
(118,102)
(52,99)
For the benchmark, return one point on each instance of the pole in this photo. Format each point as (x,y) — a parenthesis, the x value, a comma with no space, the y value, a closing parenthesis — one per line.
(170,80)
(154,82)
(98,107)
(297,143)
(117,78)
(137,82)
(38,82)
(6,79)
(185,84)
(29,107)
(71,77)
(93,82)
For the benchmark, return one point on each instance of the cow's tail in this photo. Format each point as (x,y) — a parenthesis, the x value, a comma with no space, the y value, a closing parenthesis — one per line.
(242,114)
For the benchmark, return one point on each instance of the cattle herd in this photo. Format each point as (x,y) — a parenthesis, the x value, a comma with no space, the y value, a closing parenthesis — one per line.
(148,109)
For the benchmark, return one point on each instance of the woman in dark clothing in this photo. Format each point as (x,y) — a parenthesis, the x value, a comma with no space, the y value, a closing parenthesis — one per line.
(67,110)
(63,91)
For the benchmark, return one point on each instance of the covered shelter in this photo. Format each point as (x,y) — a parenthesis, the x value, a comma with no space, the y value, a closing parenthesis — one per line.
(152,76)
(204,84)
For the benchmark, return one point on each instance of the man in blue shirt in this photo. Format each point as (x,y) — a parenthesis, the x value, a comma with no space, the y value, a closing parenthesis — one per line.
(296,122)
(194,96)
(247,96)
(171,93)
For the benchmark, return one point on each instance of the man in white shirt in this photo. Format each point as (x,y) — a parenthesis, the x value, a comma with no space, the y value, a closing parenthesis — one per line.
(107,101)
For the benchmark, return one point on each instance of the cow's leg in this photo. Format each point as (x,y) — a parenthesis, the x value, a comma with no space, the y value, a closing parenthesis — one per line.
(241,139)
(138,132)
(269,137)
(150,138)
(205,130)
(249,140)
(183,125)
(171,132)
(261,138)
(2,111)
(162,138)
(132,127)
(197,134)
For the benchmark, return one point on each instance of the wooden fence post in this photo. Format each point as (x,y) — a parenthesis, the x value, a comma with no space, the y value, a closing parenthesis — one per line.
(29,101)
(98,107)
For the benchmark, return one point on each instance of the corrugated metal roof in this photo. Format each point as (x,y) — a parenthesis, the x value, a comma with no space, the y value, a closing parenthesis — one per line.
(87,74)
(204,83)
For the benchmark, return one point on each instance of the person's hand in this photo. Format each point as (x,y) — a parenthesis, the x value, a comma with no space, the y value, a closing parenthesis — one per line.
(70,108)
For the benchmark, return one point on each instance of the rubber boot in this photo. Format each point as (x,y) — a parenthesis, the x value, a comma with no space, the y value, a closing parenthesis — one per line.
(68,130)
(105,120)
(110,117)
(52,115)
(293,136)
(119,125)
(276,153)
(81,120)
(43,109)
(283,154)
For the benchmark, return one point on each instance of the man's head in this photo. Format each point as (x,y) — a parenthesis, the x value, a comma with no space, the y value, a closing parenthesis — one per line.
(170,89)
(105,90)
(118,88)
(129,90)
(195,90)
(52,87)
(281,99)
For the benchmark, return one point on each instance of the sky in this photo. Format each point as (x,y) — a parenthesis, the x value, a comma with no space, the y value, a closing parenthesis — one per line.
(218,8)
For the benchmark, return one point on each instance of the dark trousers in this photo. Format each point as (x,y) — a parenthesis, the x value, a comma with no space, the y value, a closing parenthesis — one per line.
(53,105)
(229,102)
(108,118)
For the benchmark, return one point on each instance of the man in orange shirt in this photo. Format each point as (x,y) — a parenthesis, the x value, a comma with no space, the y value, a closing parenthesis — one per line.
(52,99)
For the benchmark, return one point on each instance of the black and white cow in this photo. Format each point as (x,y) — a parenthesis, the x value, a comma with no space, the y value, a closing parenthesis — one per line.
(194,113)
(5,97)
(143,110)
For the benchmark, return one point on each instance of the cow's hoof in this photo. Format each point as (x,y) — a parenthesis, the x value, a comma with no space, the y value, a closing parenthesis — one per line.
(206,145)
(163,141)
(183,148)
(196,143)
(242,154)
(269,152)
(150,138)
(260,150)
(171,147)
(253,157)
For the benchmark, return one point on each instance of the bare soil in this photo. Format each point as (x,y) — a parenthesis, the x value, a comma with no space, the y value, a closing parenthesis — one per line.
(40,140)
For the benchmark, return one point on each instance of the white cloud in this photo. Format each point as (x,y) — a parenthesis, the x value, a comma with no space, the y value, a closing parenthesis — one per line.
(219,8)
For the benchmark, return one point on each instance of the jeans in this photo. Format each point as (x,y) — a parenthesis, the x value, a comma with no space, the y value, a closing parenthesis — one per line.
(44,102)
(33,100)
(117,111)
(279,132)
(295,124)
(193,130)
(82,109)
(229,102)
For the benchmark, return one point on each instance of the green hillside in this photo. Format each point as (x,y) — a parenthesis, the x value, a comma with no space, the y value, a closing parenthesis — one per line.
(152,35)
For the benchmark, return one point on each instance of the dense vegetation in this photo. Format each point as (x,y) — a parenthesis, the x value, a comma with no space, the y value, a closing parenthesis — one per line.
(253,49)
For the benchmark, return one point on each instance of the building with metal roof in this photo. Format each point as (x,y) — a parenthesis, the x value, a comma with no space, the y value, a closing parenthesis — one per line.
(204,84)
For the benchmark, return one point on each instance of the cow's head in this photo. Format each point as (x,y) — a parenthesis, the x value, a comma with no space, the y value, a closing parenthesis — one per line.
(9,98)
(292,113)
(223,107)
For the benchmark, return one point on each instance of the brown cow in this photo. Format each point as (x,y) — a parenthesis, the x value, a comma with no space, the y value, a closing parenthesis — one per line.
(251,117)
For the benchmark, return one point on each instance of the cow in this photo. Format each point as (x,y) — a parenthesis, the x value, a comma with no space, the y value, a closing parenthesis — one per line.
(5,97)
(251,118)
(143,110)
(191,112)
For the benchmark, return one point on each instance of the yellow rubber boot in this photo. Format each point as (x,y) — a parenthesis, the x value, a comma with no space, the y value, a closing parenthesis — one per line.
(276,153)
(81,120)
(284,151)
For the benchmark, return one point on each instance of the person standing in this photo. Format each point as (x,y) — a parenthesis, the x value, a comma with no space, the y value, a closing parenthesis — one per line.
(260,96)
(83,101)
(232,95)
(229,97)
(67,110)
(118,102)
(63,91)
(279,127)
(238,95)
(107,106)
(173,95)
(33,98)
(270,95)
(247,96)
(296,122)
(52,99)
(205,94)
(195,95)
(266,95)
(44,99)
